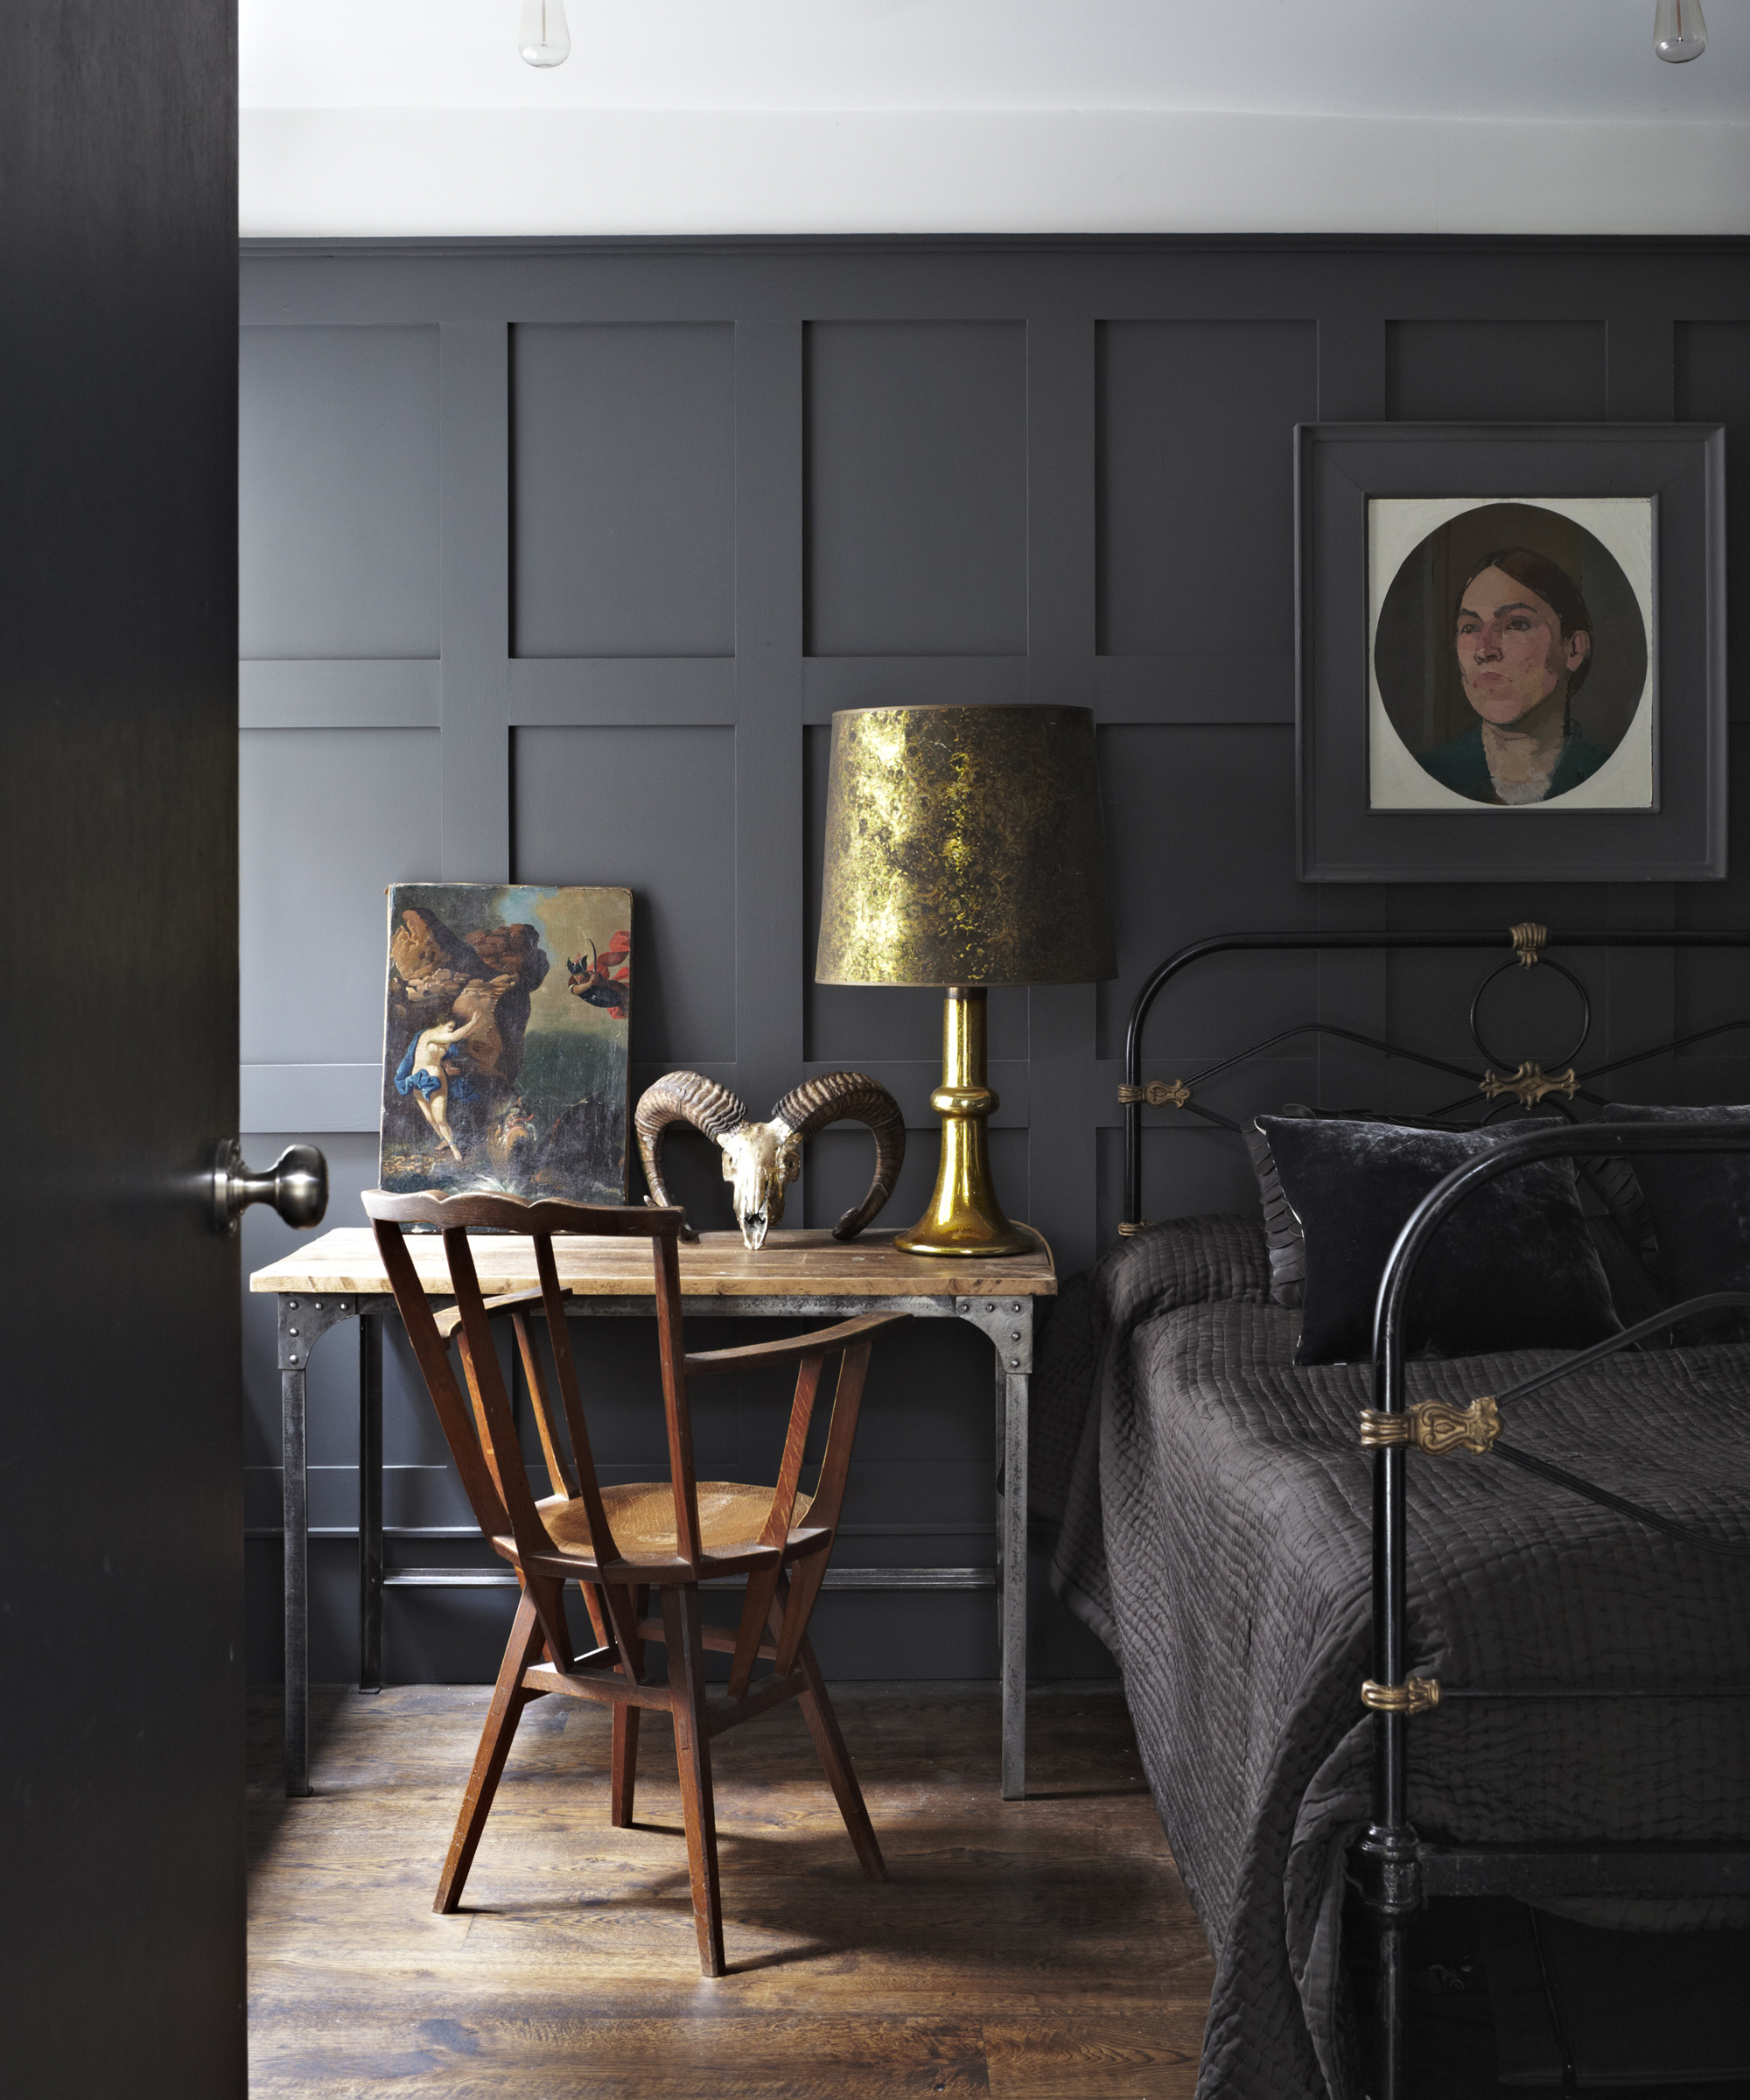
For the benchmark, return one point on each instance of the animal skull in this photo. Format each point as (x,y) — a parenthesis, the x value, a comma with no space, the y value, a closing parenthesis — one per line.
(761,1160)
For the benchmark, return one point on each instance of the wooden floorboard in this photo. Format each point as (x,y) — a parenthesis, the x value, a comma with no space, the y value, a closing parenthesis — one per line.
(1042,1949)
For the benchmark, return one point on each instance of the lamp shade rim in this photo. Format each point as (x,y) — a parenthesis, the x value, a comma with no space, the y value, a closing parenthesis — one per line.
(1096,976)
(983,707)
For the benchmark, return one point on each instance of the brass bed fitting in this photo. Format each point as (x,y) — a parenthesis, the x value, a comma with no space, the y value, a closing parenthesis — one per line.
(1415,1695)
(1434,1425)
(1158,1094)
(1529,1084)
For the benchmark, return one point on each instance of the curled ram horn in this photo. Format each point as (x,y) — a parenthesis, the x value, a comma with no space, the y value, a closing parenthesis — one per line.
(835,1095)
(682,1097)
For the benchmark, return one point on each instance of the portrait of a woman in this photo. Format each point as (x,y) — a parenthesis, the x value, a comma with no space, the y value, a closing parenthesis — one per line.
(1524,642)
(1510,656)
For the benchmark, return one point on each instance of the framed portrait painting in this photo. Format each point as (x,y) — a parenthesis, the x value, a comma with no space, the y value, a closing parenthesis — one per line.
(1511,652)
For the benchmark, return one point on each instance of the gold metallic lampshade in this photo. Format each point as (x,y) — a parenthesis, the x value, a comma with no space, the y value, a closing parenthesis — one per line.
(964,848)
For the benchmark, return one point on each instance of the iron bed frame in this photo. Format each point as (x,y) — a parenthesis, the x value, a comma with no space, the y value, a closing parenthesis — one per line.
(1393,1871)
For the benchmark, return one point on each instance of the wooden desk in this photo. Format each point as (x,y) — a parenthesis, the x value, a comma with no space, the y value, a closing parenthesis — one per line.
(805,1275)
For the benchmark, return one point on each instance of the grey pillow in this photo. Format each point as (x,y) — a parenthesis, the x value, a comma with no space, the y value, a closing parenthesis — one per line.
(1283,1236)
(1700,1207)
(1621,1224)
(1622,1231)
(1513,1267)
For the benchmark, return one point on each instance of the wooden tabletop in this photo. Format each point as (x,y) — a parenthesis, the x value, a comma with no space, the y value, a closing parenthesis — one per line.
(789,1264)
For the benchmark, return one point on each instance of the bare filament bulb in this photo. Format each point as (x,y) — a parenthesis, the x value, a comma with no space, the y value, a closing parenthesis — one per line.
(545,40)
(1679,32)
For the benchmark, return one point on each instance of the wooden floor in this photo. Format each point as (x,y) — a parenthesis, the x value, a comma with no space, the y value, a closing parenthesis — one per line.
(1042,1949)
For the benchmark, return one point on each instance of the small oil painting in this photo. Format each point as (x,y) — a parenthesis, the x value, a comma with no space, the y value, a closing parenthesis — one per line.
(1511,657)
(505,1041)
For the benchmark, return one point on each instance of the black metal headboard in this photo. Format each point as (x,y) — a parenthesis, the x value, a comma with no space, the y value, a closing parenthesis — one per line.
(1527,1086)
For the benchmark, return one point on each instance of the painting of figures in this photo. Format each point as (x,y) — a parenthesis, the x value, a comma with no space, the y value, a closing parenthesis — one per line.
(505,1041)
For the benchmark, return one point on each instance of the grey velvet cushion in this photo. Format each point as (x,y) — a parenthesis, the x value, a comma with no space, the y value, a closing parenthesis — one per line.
(1622,1231)
(1283,1236)
(1513,1267)
(1700,1207)
(1619,1222)
(1282,1233)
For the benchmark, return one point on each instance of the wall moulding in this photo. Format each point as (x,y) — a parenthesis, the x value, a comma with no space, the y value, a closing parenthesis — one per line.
(318,172)
(605,692)
(335,693)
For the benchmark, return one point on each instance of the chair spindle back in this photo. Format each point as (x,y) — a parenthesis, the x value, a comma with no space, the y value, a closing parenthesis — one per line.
(482,1439)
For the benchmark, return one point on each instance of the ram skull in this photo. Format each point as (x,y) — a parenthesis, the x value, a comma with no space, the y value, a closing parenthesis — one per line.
(761,1160)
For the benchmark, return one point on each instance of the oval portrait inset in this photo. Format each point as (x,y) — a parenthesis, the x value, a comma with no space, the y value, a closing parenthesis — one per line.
(1511,654)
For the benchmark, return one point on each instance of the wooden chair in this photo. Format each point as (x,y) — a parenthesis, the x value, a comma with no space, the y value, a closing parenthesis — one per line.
(620,1542)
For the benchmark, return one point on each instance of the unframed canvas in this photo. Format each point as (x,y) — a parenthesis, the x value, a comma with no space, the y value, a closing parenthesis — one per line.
(505,1041)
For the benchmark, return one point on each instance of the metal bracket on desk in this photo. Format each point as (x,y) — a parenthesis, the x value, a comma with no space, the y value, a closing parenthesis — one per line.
(303,1321)
(1006,1324)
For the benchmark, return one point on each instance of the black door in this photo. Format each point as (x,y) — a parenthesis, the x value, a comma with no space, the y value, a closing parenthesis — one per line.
(120,1668)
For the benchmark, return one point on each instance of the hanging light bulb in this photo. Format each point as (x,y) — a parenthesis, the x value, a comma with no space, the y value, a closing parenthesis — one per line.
(1679,32)
(545,40)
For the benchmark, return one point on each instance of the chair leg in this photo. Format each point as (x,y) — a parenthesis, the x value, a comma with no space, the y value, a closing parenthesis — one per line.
(625,1731)
(625,1767)
(682,1631)
(508,1701)
(829,1745)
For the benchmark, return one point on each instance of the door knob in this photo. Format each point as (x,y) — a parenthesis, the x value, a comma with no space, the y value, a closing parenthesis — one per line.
(297,1186)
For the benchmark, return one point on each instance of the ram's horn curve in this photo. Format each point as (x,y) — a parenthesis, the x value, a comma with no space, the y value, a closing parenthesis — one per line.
(680,1097)
(835,1095)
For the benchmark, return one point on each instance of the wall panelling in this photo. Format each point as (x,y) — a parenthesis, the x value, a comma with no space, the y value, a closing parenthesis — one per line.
(623,524)
(559,557)
(338,443)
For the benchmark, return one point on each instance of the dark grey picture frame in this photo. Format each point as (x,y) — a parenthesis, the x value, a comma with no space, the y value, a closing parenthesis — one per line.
(1339,466)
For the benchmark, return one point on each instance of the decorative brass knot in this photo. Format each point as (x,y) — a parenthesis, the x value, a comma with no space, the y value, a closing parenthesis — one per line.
(1415,1695)
(1528,938)
(1435,1425)
(1158,1094)
(1530,1083)
(1129,1231)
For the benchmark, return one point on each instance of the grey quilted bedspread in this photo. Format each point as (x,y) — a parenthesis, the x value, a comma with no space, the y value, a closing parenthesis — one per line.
(1214,1507)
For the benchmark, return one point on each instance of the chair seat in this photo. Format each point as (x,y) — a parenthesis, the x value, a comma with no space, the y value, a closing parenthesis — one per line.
(642,1514)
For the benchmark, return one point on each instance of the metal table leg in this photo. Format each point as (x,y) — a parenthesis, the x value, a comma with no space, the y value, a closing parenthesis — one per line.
(1011,1530)
(303,1321)
(1007,1324)
(370,1502)
(296,1504)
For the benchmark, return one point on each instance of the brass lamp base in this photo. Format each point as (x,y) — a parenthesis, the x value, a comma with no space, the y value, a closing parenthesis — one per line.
(964,1216)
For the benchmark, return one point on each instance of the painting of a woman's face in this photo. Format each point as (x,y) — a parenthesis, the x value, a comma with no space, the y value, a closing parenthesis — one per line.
(1512,653)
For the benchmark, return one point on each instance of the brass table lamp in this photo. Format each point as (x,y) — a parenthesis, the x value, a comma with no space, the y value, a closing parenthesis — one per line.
(964,848)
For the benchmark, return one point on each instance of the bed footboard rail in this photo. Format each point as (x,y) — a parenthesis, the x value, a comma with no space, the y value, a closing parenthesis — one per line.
(1395,1873)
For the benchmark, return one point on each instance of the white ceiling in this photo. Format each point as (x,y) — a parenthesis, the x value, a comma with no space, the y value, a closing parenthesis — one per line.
(1468,59)
(418,117)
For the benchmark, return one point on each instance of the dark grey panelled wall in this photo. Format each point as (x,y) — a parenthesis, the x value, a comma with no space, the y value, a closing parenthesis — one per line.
(558,558)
